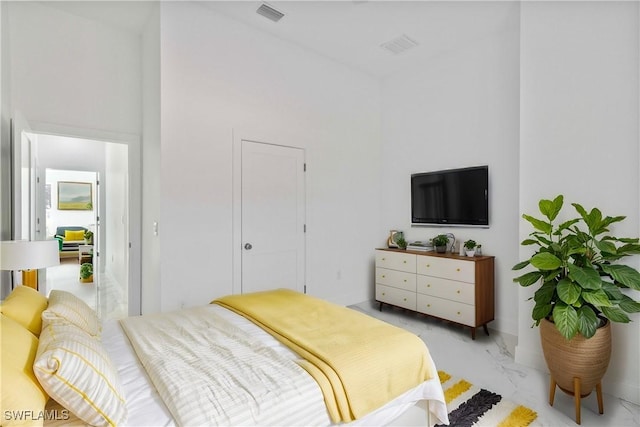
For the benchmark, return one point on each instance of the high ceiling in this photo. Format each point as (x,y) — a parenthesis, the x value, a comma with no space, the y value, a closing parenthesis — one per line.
(346,31)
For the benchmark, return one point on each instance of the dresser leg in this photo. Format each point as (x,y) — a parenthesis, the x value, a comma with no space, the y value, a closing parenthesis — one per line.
(380,308)
(473,333)
(486,330)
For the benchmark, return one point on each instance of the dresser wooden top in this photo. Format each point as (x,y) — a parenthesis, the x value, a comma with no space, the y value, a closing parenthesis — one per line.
(436,254)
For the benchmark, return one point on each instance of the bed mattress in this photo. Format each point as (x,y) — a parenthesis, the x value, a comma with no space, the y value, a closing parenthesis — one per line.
(146,408)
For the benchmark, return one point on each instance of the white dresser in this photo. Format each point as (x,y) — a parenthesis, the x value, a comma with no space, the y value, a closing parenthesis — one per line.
(447,286)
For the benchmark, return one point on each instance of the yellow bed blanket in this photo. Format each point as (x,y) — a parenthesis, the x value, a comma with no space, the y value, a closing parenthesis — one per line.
(359,362)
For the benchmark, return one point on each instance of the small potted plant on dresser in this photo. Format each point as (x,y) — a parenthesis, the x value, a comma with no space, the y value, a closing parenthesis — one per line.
(580,285)
(470,247)
(440,243)
(401,242)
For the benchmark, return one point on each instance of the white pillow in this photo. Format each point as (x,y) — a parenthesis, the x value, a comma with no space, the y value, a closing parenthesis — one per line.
(75,370)
(68,307)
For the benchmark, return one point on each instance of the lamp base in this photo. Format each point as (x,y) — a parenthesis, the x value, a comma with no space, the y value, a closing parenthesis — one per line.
(30,278)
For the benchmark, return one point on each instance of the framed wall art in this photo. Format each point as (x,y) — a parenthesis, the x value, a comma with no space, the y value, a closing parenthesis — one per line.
(75,196)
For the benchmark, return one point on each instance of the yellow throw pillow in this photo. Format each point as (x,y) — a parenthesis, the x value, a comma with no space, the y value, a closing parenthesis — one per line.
(73,235)
(76,371)
(25,305)
(65,307)
(22,398)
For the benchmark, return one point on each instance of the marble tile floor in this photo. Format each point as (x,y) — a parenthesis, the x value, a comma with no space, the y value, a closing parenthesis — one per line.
(488,362)
(109,303)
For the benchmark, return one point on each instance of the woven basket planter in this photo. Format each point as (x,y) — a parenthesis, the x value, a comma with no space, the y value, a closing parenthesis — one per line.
(579,357)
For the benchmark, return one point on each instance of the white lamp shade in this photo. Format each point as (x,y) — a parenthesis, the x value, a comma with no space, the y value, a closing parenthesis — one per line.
(28,255)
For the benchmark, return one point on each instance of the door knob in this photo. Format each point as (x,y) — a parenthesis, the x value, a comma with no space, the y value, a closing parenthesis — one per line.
(248,246)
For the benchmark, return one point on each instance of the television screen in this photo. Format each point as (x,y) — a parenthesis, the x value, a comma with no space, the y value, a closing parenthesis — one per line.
(451,197)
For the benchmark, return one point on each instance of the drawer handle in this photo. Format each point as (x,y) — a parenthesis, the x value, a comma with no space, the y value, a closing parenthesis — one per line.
(458,291)
(404,262)
(405,299)
(428,305)
(429,285)
(405,280)
(383,294)
(428,265)
(383,276)
(457,269)
(384,259)
(458,313)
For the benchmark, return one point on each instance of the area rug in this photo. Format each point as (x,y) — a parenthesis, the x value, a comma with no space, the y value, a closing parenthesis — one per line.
(469,405)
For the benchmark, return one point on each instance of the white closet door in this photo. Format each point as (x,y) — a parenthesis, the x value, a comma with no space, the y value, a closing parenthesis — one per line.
(273,200)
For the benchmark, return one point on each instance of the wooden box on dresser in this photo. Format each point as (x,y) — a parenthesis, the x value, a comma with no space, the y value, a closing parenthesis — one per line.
(447,286)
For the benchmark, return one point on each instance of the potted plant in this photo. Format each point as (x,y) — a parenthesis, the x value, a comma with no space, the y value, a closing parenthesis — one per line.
(470,247)
(88,237)
(580,280)
(401,242)
(86,272)
(440,243)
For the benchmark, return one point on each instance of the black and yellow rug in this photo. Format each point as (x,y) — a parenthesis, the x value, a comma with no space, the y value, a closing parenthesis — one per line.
(469,405)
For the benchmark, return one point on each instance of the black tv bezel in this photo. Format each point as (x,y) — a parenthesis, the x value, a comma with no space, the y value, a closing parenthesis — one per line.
(444,222)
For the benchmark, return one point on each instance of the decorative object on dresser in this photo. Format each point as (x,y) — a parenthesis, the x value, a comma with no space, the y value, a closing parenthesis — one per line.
(392,240)
(580,293)
(419,246)
(470,247)
(446,286)
(440,243)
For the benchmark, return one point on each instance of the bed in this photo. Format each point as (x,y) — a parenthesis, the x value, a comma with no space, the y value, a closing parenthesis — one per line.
(264,382)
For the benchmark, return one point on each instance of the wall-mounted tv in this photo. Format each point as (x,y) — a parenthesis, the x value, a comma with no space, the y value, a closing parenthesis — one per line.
(455,197)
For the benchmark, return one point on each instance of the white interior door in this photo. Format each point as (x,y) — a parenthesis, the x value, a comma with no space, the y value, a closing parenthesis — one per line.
(272,217)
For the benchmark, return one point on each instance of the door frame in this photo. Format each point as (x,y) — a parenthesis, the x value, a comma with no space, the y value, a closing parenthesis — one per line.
(237,138)
(132,141)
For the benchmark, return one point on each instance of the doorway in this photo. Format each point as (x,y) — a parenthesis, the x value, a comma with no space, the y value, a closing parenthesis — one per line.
(95,164)
(271,217)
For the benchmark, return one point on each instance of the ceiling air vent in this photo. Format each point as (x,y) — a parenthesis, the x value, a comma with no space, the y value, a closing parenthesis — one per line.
(399,44)
(269,12)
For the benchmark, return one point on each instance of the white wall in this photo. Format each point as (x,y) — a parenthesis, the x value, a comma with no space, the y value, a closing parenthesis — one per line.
(73,71)
(115,186)
(461,110)
(151,190)
(219,77)
(579,137)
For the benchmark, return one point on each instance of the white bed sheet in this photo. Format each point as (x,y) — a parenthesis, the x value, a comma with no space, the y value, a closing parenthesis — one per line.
(146,408)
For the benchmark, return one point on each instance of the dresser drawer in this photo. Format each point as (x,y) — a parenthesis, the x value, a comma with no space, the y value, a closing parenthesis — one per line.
(394,296)
(396,279)
(396,261)
(444,288)
(446,309)
(454,269)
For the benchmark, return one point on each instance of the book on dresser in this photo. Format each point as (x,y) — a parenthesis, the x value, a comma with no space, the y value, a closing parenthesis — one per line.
(447,286)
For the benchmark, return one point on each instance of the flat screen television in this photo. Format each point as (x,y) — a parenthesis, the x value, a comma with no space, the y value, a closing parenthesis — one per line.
(456,197)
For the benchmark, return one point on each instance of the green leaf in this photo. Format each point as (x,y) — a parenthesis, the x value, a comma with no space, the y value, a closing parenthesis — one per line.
(544,295)
(551,208)
(623,274)
(566,225)
(606,246)
(581,211)
(587,322)
(566,320)
(528,242)
(528,279)
(568,291)
(614,292)
(545,227)
(586,277)
(615,314)
(629,305)
(540,311)
(545,261)
(520,265)
(598,298)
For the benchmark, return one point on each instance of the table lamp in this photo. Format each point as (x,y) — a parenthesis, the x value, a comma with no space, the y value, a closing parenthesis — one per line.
(28,256)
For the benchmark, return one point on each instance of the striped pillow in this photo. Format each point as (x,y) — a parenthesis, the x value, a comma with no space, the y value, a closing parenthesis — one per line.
(75,370)
(66,307)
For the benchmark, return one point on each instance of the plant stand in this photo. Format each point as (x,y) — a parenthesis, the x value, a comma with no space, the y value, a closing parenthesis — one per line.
(577,395)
